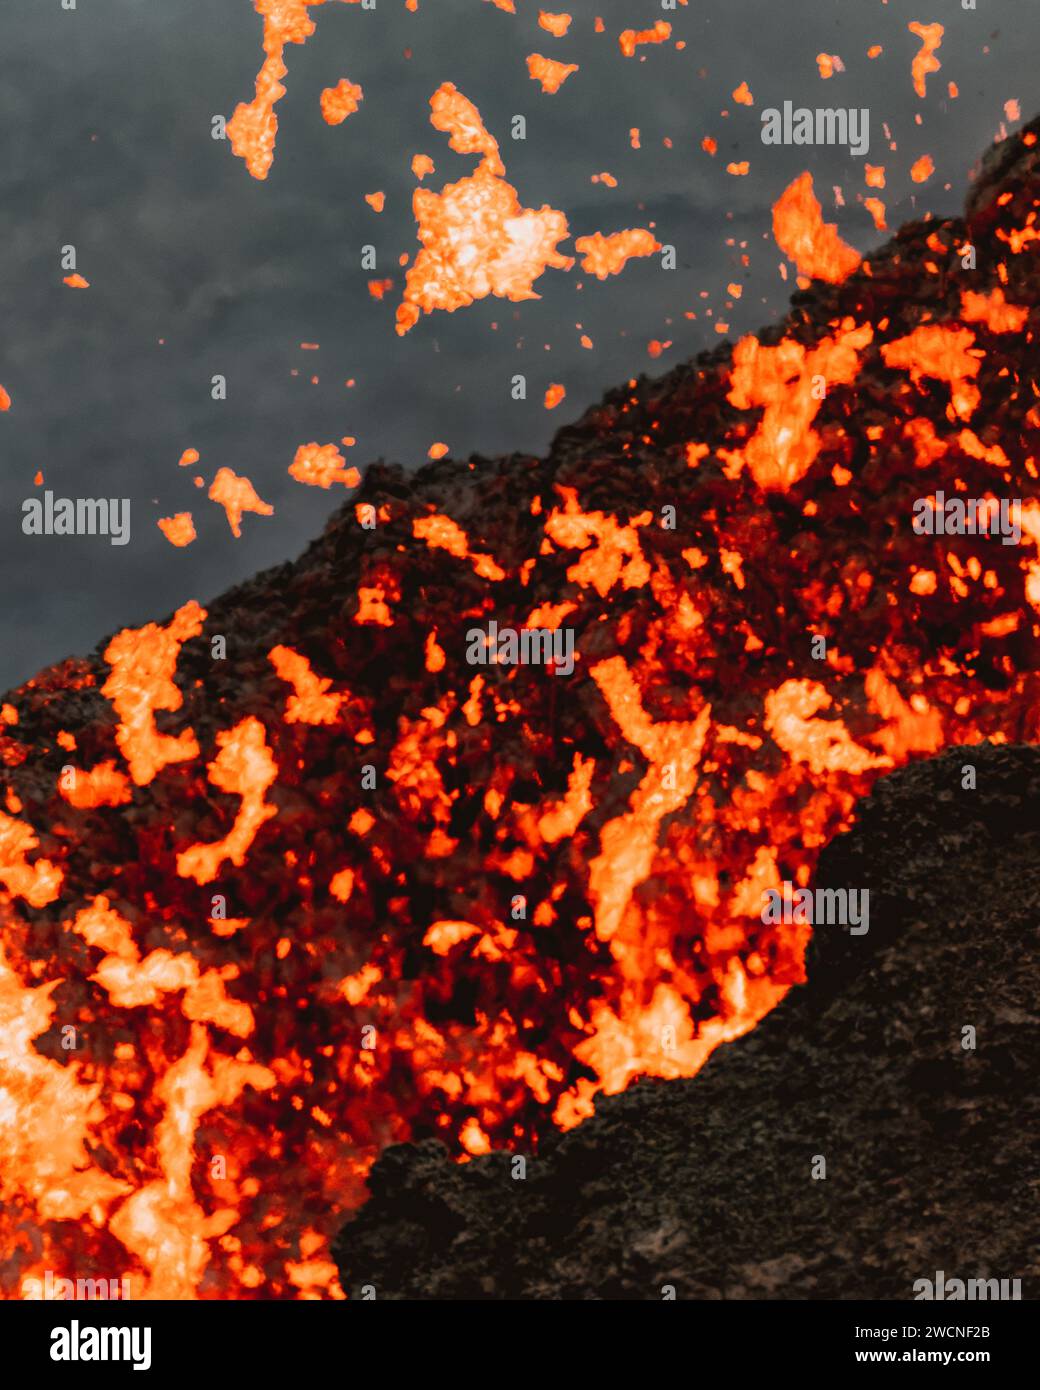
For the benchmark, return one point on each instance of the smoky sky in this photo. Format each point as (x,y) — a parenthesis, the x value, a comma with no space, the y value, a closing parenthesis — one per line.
(197,269)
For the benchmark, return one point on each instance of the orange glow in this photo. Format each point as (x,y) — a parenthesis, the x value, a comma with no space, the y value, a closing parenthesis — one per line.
(309,703)
(443,936)
(555,24)
(925,61)
(103,785)
(244,767)
(608,255)
(372,606)
(321,465)
(617,556)
(784,446)
(435,657)
(941,353)
(341,101)
(342,885)
(554,395)
(555,889)
(441,533)
(922,169)
(824,745)
(179,529)
(253,128)
(630,39)
(562,818)
(143,662)
(551,74)
(804,237)
(477,239)
(993,310)
(237,495)
(37,883)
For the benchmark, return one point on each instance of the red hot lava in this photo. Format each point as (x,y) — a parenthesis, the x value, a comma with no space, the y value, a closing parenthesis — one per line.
(288,879)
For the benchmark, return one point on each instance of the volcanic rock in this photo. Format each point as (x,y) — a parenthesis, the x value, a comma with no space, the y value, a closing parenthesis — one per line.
(929,1131)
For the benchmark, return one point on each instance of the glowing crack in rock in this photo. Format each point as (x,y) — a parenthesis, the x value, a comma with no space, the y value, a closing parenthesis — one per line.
(143,662)
(46,1110)
(103,785)
(131,982)
(993,310)
(943,353)
(782,379)
(244,767)
(616,558)
(824,744)
(37,883)
(163,1223)
(562,818)
(441,533)
(310,702)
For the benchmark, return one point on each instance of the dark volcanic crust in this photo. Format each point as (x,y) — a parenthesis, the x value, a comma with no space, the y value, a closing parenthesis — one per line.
(931,1149)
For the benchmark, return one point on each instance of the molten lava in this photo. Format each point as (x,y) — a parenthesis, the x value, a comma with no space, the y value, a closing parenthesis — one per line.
(300,882)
